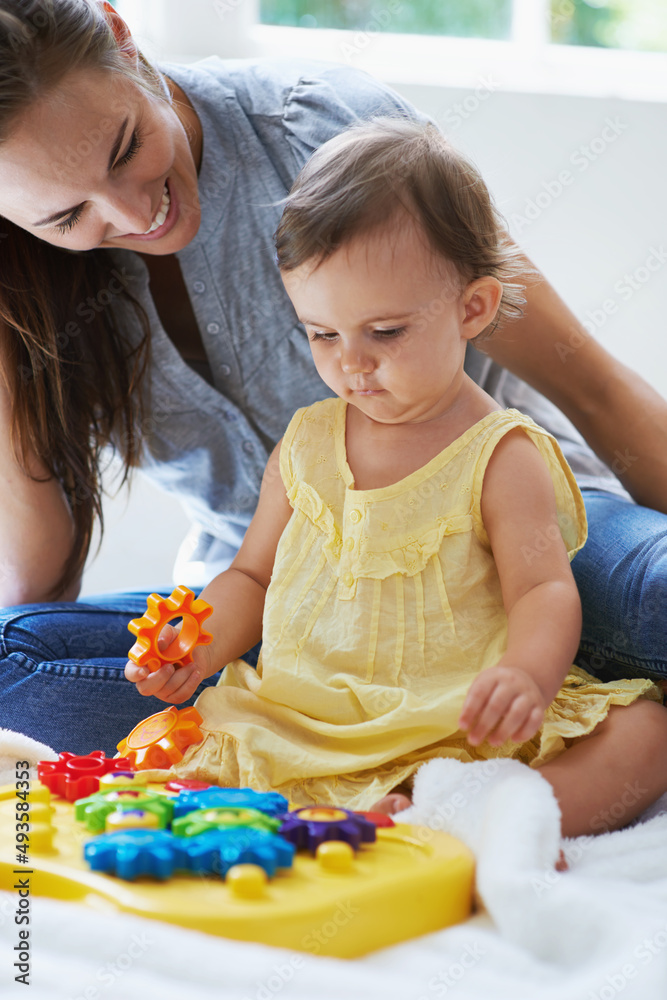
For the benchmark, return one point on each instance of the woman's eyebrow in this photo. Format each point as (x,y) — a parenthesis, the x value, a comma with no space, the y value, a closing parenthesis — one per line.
(112,156)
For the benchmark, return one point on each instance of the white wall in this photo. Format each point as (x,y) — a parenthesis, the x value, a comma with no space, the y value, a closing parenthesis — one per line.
(595,231)
(580,180)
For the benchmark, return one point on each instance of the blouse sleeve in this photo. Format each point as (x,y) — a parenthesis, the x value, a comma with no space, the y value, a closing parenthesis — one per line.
(295,106)
(321,105)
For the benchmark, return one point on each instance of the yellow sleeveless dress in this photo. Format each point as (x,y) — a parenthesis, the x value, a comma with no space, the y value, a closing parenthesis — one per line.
(383,606)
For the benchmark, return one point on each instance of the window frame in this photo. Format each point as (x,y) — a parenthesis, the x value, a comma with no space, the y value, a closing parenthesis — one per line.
(529,62)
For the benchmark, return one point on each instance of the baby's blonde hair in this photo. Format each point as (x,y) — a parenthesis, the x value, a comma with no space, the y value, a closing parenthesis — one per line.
(359,181)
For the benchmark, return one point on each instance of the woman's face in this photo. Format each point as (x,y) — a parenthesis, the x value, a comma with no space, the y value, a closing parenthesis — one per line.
(98,162)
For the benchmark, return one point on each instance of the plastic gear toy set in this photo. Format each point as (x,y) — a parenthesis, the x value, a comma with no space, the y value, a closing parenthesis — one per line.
(233,862)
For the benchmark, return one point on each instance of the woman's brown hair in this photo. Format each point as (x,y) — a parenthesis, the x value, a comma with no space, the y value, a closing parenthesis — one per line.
(363,178)
(73,385)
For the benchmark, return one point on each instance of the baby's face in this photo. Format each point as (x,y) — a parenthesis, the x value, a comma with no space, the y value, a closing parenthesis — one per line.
(388,323)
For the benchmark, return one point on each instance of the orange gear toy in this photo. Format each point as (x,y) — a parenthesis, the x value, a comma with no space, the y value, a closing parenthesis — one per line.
(159,740)
(181,604)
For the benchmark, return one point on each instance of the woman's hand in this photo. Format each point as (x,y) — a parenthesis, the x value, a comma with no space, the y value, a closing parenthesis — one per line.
(172,682)
(503,703)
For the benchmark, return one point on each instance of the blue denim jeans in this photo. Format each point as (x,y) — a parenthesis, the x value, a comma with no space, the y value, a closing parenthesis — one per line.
(61,672)
(621,573)
(61,665)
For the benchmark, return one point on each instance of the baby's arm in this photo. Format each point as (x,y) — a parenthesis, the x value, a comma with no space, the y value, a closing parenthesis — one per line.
(237,597)
(508,701)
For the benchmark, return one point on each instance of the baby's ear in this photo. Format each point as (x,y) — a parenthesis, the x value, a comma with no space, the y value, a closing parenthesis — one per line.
(481,299)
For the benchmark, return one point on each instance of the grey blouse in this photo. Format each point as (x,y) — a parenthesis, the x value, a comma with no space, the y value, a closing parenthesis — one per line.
(206,442)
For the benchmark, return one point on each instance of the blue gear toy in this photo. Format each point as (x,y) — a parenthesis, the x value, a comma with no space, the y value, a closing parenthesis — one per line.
(270,803)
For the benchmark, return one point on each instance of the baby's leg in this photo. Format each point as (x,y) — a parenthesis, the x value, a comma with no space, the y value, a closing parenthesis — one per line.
(395,802)
(606,779)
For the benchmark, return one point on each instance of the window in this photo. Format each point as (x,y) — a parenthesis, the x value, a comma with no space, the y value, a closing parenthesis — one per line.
(624,24)
(615,24)
(595,48)
(463,18)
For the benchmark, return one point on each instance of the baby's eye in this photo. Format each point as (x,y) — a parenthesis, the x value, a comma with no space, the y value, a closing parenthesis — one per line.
(327,337)
(394,332)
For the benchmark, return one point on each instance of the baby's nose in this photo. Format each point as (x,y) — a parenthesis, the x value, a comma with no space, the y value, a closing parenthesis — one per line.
(355,359)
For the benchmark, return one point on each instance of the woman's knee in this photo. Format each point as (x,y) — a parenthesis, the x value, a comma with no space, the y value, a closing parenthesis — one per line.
(622,577)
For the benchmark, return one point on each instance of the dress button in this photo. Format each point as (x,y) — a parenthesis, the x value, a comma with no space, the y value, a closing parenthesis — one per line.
(213,328)
(248,447)
(225,370)
(348,579)
(199,286)
(349,544)
(355,516)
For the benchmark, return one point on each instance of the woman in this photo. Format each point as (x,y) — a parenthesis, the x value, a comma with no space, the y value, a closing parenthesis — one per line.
(142,308)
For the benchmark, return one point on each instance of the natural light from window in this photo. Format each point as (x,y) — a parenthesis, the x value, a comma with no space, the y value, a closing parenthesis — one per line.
(619,24)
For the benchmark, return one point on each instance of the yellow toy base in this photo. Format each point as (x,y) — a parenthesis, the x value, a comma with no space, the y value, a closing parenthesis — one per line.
(412,881)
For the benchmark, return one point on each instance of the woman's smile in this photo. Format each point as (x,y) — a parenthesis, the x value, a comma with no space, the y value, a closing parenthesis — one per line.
(164,219)
(139,191)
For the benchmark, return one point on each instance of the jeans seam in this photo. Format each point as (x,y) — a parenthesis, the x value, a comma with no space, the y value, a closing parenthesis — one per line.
(623,658)
(74,669)
(14,618)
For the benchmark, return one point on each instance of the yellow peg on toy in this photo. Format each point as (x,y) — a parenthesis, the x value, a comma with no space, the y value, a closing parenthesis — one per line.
(182,603)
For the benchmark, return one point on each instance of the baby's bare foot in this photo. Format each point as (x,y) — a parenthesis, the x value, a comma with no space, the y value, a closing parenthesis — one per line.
(562,865)
(393,803)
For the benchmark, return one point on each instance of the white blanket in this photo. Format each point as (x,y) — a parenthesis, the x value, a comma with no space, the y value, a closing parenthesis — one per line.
(594,932)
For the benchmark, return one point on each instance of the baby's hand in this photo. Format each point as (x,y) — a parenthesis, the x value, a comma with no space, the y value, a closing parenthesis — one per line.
(503,703)
(170,683)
